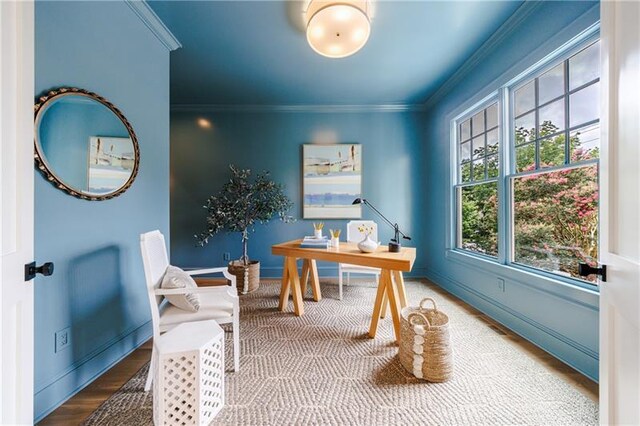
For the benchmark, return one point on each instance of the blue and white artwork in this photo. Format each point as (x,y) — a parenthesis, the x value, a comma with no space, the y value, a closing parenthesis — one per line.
(332,179)
(111,162)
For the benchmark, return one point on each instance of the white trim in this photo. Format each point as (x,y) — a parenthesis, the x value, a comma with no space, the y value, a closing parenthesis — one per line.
(311,108)
(17,67)
(151,20)
(454,160)
(503,95)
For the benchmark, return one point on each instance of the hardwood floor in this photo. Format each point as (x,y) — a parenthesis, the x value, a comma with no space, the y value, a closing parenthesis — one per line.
(80,406)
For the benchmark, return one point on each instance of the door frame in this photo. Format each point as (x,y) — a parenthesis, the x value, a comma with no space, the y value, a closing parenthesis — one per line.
(17,69)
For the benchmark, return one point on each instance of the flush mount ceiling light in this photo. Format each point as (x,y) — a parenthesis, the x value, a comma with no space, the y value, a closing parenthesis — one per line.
(338,28)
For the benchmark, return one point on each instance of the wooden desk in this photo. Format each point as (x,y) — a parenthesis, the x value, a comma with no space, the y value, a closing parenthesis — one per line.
(391,289)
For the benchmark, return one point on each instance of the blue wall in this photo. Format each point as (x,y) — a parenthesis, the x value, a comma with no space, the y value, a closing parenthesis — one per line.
(393,169)
(98,289)
(561,318)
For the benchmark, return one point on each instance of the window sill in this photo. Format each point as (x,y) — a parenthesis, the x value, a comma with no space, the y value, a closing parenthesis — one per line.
(566,289)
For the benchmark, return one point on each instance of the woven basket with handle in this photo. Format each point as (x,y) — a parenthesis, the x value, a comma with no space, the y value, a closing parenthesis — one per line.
(425,342)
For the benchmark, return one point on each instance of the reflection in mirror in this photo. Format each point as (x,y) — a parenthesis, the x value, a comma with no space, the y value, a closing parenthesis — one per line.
(84,144)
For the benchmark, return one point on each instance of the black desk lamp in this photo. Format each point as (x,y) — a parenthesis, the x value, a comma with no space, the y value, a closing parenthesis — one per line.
(394,244)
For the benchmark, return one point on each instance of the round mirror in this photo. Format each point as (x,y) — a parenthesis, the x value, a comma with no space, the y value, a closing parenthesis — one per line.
(84,145)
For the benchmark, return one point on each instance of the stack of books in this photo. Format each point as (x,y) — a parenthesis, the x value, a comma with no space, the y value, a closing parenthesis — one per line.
(313,242)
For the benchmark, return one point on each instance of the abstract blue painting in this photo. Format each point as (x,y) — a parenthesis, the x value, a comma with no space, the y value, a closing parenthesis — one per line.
(332,179)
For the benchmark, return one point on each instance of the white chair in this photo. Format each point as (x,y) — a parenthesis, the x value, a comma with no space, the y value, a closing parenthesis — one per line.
(355,236)
(216,303)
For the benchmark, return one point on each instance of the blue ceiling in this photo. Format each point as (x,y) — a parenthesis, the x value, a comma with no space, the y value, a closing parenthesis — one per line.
(256,52)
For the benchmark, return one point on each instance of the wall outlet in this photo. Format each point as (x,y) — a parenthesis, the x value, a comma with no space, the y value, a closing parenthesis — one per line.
(226,256)
(501,285)
(63,339)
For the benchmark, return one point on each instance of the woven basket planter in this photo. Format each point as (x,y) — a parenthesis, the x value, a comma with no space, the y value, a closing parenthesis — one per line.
(425,342)
(247,277)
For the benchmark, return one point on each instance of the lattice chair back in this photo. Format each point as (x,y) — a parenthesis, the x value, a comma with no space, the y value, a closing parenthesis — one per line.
(355,236)
(155,261)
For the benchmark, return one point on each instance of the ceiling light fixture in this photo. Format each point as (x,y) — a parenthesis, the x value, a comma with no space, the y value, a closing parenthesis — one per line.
(338,28)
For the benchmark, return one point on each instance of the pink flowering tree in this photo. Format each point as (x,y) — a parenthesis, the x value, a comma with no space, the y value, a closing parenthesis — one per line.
(555,213)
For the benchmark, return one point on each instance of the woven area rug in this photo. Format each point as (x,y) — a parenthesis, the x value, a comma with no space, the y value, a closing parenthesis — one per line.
(321,368)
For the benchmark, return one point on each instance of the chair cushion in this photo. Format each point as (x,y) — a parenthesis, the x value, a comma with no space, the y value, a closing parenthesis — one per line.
(211,307)
(175,277)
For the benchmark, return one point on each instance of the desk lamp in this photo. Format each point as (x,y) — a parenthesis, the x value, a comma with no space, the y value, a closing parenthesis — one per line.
(394,244)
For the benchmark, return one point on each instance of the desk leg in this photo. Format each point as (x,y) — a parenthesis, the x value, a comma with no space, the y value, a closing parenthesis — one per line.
(305,276)
(315,280)
(377,306)
(284,289)
(294,280)
(394,303)
(385,305)
(402,294)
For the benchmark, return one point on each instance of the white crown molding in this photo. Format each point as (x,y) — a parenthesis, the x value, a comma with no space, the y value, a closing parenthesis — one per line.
(298,108)
(503,32)
(149,18)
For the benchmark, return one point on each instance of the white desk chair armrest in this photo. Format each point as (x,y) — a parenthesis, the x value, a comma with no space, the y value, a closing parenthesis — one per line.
(224,270)
(224,291)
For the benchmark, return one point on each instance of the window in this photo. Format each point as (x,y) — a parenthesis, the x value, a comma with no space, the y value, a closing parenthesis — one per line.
(555,182)
(478,137)
(550,173)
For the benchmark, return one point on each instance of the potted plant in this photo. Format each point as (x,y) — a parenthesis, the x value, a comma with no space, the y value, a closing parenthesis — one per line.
(241,203)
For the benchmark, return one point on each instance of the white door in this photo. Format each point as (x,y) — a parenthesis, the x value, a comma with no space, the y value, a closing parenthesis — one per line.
(620,214)
(16,209)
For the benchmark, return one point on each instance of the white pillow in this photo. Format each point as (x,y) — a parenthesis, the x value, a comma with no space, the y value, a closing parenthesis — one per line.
(175,277)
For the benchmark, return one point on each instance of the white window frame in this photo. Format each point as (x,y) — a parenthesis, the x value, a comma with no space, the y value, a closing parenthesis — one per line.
(506,157)
(457,180)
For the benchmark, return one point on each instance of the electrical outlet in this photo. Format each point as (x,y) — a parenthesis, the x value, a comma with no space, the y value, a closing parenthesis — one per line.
(63,339)
(501,285)
(226,256)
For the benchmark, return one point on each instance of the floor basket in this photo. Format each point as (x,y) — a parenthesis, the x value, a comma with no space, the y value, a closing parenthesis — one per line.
(425,342)
(247,277)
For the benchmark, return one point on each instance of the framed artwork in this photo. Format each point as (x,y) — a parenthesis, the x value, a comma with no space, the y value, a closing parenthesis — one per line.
(111,162)
(331,180)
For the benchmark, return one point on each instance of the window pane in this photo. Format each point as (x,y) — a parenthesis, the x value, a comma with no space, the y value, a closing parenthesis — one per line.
(465,130)
(552,151)
(525,129)
(584,66)
(584,105)
(478,147)
(525,99)
(492,116)
(585,143)
(556,220)
(551,118)
(526,158)
(465,152)
(479,218)
(465,172)
(478,123)
(492,142)
(551,84)
(492,166)
(478,169)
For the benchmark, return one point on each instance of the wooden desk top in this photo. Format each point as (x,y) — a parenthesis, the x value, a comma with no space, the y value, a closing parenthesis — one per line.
(349,253)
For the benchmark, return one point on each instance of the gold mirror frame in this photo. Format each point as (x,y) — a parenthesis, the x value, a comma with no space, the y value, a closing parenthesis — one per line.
(41,106)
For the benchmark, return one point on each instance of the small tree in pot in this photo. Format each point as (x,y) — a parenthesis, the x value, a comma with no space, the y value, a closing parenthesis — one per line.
(240,204)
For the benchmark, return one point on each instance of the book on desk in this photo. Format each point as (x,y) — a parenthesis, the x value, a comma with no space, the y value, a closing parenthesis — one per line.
(313,242)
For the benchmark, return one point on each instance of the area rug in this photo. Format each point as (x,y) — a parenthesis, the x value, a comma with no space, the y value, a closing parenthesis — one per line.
(322,368)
